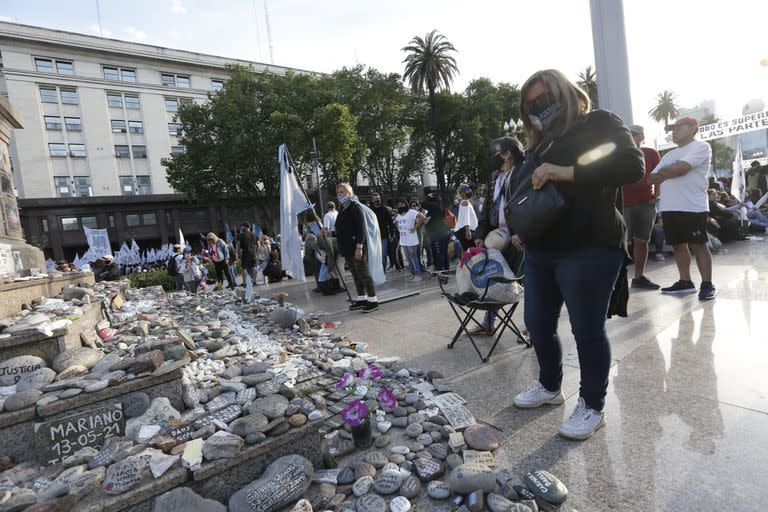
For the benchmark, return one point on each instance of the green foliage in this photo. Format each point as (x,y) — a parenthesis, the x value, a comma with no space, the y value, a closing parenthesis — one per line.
(665,108)
(153,278)
(342,150)
(588,81)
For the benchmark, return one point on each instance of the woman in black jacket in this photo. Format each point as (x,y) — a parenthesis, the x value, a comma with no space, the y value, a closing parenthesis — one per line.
(588,156)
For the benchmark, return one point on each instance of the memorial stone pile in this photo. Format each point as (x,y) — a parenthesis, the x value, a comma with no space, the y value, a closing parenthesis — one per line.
(251,371)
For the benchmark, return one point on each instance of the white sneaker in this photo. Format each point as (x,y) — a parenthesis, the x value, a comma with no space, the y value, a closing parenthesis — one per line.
(660,256)
(417,279)
(583,422)
(537,396)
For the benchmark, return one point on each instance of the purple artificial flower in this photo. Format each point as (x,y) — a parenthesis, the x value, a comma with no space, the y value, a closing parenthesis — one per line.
(345,381)
(354,413)
(371,372)
(387,398)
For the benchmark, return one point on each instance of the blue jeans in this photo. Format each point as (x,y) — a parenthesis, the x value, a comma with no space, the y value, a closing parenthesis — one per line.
(440,253)
(384,253)
(584,280)
(758,218)
(657,238)
(412,255)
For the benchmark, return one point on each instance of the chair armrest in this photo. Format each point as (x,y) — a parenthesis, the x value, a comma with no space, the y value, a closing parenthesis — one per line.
(504,280)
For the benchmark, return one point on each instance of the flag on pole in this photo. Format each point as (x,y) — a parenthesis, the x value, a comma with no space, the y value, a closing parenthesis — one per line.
(182,242)
(228,234)
(292,203)
(739,180)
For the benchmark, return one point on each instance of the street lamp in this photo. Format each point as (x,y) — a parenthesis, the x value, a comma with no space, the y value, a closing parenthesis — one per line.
(315,156)
(511,127)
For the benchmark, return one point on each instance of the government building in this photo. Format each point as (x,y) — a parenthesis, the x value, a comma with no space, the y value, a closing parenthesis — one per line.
(98,116)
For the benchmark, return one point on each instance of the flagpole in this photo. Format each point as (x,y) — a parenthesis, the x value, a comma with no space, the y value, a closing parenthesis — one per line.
(319,224)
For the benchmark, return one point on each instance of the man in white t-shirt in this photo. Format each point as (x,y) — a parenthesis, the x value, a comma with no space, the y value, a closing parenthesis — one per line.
(684,206)
(408,222)
(329,219)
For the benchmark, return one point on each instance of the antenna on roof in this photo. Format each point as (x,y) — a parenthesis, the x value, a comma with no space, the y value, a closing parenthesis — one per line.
(98,15)
(258,32)
(269,33)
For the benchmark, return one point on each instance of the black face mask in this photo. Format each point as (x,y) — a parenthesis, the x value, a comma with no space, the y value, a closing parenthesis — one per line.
(543,110)
(402,209)
(496,162)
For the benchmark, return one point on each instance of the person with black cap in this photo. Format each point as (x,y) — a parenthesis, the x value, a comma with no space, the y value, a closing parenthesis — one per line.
(684,204)
(640,211)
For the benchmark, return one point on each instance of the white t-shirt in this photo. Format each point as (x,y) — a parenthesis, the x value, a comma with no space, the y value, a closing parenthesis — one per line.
(405,223)
(329,220)
(686,193)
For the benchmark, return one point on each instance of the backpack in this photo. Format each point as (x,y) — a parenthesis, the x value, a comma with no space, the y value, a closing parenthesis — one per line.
(172,266)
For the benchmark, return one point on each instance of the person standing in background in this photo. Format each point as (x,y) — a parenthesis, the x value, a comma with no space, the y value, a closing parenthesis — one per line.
(386,226)
(640,211)
(408,222)
(329,219)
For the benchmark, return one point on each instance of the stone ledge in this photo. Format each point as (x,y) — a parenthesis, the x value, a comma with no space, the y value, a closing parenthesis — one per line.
(100,501)
(13,295)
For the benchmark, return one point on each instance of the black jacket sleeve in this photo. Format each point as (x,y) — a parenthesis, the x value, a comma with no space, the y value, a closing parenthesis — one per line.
(484,220)
(612,157)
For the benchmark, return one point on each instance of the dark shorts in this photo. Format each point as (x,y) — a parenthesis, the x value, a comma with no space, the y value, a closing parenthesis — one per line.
(248,262)
(640,219)
(685,227)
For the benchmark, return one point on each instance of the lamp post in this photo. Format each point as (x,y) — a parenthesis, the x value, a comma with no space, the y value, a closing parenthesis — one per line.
(315,156)
(512,127)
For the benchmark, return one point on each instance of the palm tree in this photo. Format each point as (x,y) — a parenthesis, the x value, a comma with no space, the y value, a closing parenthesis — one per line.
(430,65)
(665,108)
(588,82)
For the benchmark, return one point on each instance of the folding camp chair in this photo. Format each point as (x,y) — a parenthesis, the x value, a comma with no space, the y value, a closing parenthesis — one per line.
(465,312)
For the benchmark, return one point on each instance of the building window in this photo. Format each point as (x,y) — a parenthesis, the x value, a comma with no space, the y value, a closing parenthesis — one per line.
(111,220)
(49,95)
(171,105)
(118,126)
(144,185)
(69,96)
(77,150)
(64,67)
(217,85)
(171,80)
(52,123)
(126,185)
(139,151)
(73,124)
(191,216)
(110,73)
(128,75)
(121,151)
(57,150)
(69,224)
(62,186)
(44,65)
(177,150)
(114,100)
(132,102)
(136,127)
(83,186)
(44,225)
(148,219)
(132,219)
(89,222)
(174,128)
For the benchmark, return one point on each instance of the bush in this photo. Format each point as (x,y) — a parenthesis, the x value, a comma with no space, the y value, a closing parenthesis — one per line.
(153,278)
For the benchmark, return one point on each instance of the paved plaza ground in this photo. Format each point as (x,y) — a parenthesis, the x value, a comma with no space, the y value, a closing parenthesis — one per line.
(687,405)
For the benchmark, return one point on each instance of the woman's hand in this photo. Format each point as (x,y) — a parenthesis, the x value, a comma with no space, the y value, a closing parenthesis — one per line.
(479,242)
(551,172)
(358,253)
(515,240)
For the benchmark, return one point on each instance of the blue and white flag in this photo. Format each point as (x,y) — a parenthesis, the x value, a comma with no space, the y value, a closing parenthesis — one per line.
(292,203)
(228,234)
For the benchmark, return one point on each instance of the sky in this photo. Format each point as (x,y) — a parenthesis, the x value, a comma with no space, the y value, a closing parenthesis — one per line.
(701,50)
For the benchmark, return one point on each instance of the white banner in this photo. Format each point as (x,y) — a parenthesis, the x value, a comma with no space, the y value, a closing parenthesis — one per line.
(737,126)
(98,242)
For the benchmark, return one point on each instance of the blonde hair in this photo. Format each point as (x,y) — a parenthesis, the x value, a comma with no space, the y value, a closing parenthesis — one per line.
(574,101)
(346,186)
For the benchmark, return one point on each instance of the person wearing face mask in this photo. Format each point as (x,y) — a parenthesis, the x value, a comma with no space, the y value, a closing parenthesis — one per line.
(386,226)
(576,260)
(351,236)
(408,222)
(505,163)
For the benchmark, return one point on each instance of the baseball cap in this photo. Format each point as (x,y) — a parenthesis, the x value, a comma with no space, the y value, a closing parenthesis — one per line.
(636,128)
(683,121)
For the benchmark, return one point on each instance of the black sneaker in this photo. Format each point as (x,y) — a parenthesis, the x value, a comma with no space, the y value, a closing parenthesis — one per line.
(370,306)
(358,304)
(680,288)
(707,291)
(644,283)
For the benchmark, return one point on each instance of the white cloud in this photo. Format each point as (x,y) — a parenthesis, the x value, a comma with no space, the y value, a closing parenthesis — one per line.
(7,18)
(95,30)
(136,34)
(177,7)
